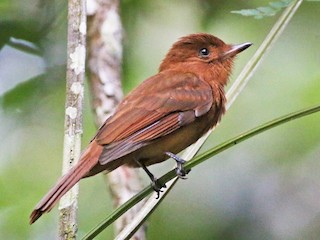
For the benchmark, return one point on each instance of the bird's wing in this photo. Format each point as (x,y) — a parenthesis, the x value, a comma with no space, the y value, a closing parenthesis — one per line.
(159,106)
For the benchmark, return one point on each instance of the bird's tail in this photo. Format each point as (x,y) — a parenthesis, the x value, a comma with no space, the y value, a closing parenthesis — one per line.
(88,160)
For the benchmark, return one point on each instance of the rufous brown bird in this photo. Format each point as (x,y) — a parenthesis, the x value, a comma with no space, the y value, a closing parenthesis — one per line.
(165,114)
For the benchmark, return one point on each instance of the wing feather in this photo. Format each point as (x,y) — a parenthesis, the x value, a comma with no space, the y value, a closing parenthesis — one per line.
(141,138)
(159,96)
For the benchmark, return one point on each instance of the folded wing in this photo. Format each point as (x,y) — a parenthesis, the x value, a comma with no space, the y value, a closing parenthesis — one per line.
(159,106)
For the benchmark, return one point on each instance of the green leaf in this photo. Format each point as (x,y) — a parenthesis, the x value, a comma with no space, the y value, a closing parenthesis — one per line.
(268,11)
(247,12)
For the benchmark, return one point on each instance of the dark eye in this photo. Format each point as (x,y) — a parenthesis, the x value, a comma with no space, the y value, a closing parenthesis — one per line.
(204,52)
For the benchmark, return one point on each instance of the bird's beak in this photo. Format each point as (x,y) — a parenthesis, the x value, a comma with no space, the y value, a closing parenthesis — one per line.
(235,49)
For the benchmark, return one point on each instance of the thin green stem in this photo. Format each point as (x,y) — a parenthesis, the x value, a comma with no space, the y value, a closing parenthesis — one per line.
(197,160)
(251,133)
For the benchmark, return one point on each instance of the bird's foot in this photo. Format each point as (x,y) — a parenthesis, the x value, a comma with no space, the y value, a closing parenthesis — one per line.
(155,183)
(157,186)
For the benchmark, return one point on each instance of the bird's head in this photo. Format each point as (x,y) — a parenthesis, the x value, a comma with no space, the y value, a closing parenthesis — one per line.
(203,53)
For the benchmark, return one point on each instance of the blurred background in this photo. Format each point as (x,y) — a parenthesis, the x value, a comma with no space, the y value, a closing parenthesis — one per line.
(265,188)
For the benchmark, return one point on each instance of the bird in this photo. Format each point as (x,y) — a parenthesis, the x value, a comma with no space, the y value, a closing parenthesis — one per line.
(162,116)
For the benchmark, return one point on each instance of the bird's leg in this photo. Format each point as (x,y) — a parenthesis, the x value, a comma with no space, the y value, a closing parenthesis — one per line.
(156,185)
(180,170)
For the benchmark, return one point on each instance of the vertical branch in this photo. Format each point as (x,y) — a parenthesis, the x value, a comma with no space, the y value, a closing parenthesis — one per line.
(73,112)
(104,65)
(104,57)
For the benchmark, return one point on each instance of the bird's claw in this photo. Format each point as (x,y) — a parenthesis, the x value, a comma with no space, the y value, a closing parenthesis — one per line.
(157,186)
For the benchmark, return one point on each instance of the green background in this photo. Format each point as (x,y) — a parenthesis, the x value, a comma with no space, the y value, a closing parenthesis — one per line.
(265,188)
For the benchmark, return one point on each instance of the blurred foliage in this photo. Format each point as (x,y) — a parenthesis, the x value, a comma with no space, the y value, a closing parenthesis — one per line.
(266,11)
(16,20)
(266,188)
(23,98)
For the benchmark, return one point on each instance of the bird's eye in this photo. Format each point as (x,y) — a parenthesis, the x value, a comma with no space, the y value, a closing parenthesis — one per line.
(204,52)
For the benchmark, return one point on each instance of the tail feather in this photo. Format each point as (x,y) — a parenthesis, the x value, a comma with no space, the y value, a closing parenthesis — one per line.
(87,161)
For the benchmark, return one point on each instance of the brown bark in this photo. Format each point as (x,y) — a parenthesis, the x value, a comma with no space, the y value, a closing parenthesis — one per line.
(104,64)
